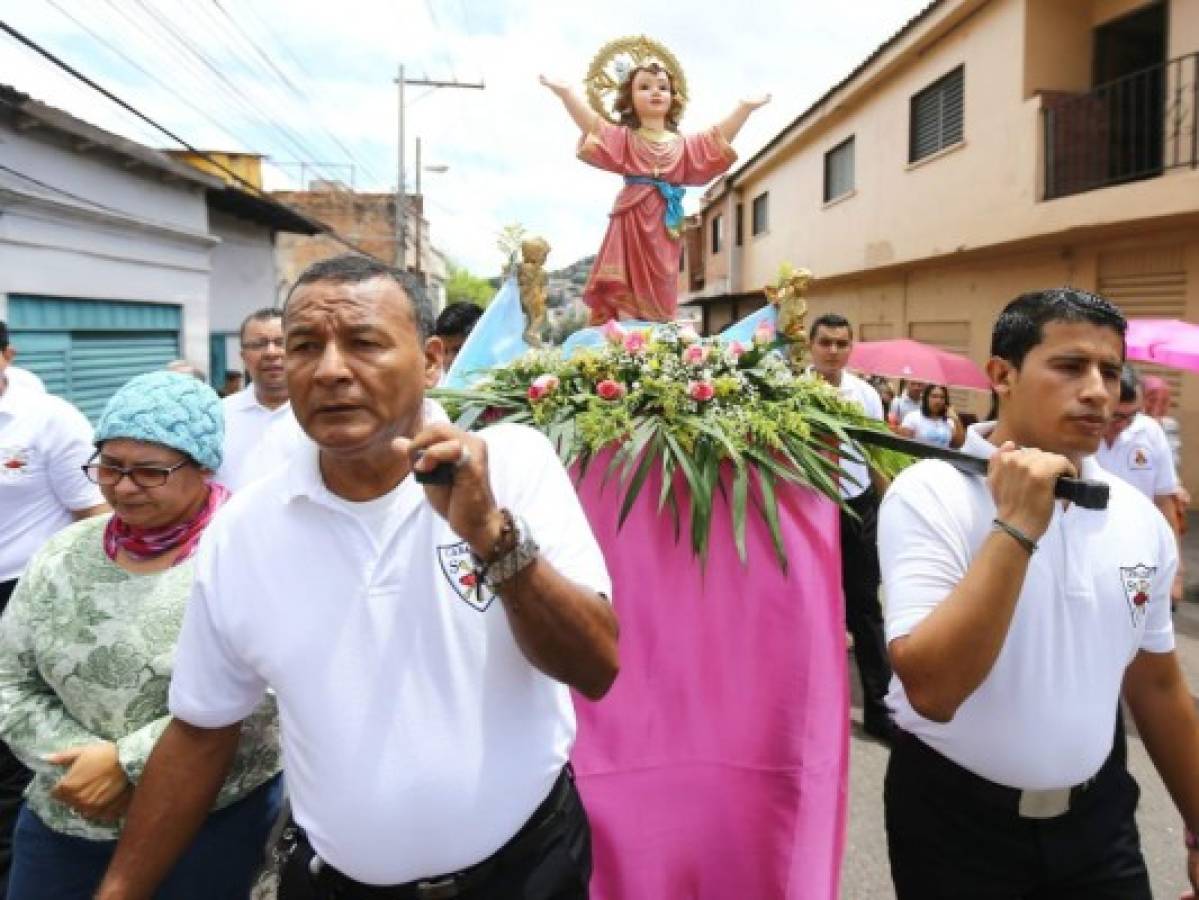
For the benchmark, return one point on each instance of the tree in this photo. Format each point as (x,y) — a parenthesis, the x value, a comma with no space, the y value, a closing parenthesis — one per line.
(463,285)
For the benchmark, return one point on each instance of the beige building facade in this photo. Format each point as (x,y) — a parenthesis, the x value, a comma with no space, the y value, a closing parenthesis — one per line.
(989,148)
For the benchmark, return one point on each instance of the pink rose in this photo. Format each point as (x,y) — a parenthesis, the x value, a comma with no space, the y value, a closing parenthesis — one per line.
(610,390)
(688,335)
(736,349)
(764,334)
(543,386)
(695,354)
(700,391)
(635,341)
(612,332)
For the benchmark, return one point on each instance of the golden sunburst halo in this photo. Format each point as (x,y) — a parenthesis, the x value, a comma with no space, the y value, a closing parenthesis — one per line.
(616,59)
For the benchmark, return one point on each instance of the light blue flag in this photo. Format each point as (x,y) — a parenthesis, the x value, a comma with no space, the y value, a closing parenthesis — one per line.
(743,331)
(593,336)
(496,339)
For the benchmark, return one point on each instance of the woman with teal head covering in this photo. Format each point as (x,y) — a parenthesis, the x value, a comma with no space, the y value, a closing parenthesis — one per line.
(86,649)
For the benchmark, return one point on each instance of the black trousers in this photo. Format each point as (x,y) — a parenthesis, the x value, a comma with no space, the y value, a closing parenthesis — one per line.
(549,858)
(14,778)
(953,836)
(863,614)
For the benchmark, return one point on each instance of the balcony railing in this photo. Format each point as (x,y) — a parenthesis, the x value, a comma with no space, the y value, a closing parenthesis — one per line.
(1133,128)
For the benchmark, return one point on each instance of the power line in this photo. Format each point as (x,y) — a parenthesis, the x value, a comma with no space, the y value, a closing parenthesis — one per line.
(248,186)
(154,78)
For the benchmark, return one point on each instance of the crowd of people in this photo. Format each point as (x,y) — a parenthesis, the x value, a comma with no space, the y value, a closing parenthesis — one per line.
(237,623)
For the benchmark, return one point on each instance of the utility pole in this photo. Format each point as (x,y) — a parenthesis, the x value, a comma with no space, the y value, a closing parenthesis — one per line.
(401,196)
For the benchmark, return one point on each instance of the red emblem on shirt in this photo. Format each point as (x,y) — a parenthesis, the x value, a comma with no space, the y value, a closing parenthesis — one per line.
(14,461)
(1137,581)
(457,564)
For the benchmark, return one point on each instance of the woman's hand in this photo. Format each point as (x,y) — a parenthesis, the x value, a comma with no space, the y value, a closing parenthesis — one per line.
(95,785)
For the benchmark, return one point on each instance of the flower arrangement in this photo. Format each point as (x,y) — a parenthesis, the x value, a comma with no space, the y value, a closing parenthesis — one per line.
(693,405)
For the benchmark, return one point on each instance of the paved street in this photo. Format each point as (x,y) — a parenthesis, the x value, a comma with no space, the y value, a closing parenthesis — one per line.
(865,874)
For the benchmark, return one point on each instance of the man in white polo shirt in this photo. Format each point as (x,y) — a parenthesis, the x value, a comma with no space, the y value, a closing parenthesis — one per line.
(1014,621)
(1135,448)
(420,638)
(831,339)
(44,444)
(15,374)
(258,407)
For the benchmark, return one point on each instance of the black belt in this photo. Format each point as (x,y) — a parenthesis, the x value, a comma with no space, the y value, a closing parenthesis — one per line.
(1026,804)
(453,884)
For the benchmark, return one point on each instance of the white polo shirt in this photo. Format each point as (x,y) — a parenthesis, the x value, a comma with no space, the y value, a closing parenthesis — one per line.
(1096,592)
(246,422)
(1141,455)
(417,737)
(43,442)
(24,378)
(855,477)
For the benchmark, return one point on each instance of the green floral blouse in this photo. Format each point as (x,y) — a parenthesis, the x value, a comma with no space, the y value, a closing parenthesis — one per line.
(86,651)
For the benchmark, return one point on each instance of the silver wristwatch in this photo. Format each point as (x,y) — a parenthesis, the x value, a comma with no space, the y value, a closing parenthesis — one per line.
(521,555)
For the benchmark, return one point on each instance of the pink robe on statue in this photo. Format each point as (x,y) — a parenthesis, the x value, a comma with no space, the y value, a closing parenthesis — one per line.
(636,272)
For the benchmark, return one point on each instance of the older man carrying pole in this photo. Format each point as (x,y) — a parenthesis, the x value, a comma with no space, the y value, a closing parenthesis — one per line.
(420,638)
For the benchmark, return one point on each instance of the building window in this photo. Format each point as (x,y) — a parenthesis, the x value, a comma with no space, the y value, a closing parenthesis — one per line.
(938,112)
(738,224)
(838,171)
(717,233)
(682,261)
(759,213)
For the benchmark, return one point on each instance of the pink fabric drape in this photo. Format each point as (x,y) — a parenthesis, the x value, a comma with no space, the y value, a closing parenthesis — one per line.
(716,768)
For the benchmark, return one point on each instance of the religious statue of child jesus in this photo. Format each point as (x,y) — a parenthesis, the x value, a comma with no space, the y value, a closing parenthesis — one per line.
(635,275)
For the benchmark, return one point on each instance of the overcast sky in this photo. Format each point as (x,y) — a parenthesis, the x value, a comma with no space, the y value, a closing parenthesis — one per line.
(314,80)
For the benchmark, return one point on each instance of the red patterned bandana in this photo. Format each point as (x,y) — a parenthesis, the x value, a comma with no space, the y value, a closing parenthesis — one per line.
(148,543)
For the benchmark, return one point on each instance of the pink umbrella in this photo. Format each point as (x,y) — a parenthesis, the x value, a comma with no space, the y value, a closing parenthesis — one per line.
(909,359)
(1170,342)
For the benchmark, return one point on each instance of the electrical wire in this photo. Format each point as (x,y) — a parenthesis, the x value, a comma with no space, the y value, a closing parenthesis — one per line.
(249,187)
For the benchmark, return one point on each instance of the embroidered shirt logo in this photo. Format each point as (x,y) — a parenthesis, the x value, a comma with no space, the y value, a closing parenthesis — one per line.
(1138,458)
(14,463)
(1137,581)
(458,567)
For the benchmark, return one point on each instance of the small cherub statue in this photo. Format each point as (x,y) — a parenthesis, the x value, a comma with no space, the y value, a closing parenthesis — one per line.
(788,295)
(532,281)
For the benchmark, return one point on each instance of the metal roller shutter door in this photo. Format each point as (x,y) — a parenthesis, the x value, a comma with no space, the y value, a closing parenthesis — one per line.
(1148,284)
(85,349)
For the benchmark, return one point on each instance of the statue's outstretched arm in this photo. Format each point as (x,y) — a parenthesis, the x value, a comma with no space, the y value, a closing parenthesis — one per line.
(582,114)
(732,124)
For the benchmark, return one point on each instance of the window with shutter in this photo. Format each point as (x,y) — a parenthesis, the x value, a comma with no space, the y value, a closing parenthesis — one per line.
(938,115)
(717,233)
(760,212)
(738,229)
(838,171)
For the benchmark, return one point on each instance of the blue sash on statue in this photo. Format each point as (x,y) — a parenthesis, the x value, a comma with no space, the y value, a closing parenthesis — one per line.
(672,194)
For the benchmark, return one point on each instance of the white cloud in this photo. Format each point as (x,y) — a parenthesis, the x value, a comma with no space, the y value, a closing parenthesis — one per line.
(509,148)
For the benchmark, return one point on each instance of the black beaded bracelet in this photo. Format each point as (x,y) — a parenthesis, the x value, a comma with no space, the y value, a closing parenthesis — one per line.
(1016,534)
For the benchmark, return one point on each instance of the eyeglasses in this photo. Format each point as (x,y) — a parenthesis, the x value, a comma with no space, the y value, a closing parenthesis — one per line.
(143,476)
(263,343)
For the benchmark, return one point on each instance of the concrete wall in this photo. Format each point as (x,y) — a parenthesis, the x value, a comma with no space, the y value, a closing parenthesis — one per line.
(125,234)
(984,191)
(243,271)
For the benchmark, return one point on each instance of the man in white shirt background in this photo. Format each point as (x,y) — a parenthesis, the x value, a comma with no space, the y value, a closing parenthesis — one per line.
(907,402)
(253,410)
(831,339)
(1135,448)
(420,638)
(1015,622)
(15,374)
(44,444)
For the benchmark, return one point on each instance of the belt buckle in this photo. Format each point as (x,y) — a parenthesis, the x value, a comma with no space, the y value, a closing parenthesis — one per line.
(445,888)
(1045,804)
